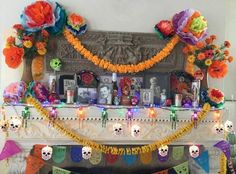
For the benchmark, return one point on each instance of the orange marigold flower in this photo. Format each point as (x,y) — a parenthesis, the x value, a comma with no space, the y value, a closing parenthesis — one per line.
(218,69)
(42,51)
(230,59)
(208,40)
(27,44)
(200,45)
(13,56)
(45,33)
(201,56)
(40,45)
(226,52)
(186,50)
(227,44)
(11,40)
(213,37)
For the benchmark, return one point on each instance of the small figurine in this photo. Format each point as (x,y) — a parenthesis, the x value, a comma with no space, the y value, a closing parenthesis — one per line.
(163,97)
(156,89)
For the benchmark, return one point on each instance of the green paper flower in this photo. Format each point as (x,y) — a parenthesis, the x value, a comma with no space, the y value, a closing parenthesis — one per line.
(198,24)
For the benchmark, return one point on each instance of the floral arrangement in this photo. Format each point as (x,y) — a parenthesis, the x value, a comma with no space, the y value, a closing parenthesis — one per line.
(207,55)
(76,24)
(213,96)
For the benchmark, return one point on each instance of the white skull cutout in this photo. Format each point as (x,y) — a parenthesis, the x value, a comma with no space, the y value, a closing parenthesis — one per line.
(15,124)
(86,152)
(46,153)
(117,129)
(194,151)
(4,125)
(135,130)
(163,150)
(229,127)
(218,128)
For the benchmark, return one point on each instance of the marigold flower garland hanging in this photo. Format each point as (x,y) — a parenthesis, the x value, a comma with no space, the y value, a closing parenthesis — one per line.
(131,68)
(115,150)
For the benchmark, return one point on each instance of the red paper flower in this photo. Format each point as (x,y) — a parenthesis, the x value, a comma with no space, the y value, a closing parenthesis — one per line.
(216,95)
(217,69)
(13,56)
(87,78)
(18,27)
(209,53)
(165,27)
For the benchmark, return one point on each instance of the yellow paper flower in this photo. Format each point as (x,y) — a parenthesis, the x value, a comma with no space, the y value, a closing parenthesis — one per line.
(42,51)
(208,62)
(27,44)
(191,59)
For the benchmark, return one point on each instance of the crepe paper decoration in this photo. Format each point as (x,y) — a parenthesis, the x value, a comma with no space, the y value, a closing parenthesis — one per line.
(146,158)
(10,149)
(224,147)
(161,172)
(33,164)
(58,170)
(177,152)
(231,138)
(203,161)
(96,157)
(76,24)
(37,150)
(231,167)
(164,29)
(129,159)
(76,154)
(182,168)
(111,159)
(59,154)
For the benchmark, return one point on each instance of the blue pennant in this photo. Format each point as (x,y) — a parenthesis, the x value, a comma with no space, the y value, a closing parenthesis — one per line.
(203,161)
(76,154)
(129,159)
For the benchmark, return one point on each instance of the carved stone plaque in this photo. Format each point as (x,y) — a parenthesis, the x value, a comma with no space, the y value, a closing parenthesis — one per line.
(117,47)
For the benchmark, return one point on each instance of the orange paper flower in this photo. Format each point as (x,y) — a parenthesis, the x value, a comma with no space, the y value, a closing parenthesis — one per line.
(201,56)
(227,44)
(13,56)
(218,69)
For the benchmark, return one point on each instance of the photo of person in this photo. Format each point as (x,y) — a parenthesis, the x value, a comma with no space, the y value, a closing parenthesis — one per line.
(105,93)
(87,95)
(146,96)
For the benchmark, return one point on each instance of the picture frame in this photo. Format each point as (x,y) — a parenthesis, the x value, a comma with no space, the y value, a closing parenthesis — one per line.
(105,94)
(146,97)
(87,95)
(65,82)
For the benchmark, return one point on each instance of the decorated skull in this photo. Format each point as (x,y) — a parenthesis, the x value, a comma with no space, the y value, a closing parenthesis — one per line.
(163,150)
(117,129)
(4,125)
(229,127)
(135,130)
(55,64)
(194,151)
(46,153)
(218,128)
(15,124)
(86,152)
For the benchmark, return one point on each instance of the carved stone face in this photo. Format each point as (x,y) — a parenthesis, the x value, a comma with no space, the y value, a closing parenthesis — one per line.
(218,128)
(86,152)
(229,127)
(135,130)
(117,129)
(163,150)
(46,153)
(15,124)
(4,125)
(194,151)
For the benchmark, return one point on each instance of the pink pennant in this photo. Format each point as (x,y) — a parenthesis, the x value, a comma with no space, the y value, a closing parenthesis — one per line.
(10,148)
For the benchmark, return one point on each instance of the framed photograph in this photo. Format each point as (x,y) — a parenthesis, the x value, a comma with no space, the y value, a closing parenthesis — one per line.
(65,82)
(146,96)
(105,93)
(87,95)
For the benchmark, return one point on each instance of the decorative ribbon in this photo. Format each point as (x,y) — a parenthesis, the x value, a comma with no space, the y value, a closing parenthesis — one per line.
(57,124)
(118,68)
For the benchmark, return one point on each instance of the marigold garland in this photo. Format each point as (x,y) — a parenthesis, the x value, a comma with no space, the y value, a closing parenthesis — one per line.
(131,68)
(223,167)
(57,124)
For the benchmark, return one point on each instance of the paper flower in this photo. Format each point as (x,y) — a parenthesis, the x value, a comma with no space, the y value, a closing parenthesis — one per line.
(76,24)
(213,96)
(190,26)
(13,56)
(218,69)
(164,29)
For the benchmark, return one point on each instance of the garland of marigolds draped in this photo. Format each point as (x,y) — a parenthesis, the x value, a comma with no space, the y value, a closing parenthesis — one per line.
(131,68)
(57,124)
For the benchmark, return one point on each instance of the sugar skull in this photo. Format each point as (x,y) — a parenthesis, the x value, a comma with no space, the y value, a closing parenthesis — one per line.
(135,130)
(46,153)
(4,125)
(194,151)
(117,129)
(86,152)
(218,128)
(229,127)
(55,64)
(15,124)
(163,150)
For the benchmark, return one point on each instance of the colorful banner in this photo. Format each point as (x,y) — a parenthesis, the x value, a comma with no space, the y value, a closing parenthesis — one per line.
(33,164)
(129,159)
(59,154)
(57,170)
(177,152)
(146,158)
(224,146)
(111,159)
(10,149)
(203,161)
(182,168)
(37,150)
(96,157)
(76,154)
(161,172)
